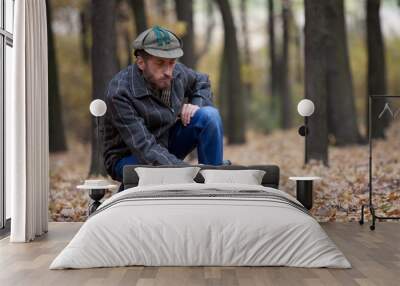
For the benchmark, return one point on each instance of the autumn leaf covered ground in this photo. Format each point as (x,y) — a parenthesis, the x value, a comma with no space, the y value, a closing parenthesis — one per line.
(337,197)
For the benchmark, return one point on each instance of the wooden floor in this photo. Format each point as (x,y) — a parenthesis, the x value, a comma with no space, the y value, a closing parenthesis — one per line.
(375,257)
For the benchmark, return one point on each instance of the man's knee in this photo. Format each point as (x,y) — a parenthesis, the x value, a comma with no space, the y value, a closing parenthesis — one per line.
(209,114)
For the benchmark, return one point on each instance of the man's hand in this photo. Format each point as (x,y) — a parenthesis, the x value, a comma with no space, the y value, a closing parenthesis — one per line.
(188,110)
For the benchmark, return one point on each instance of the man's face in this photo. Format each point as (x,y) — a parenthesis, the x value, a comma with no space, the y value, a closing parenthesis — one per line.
(157,71)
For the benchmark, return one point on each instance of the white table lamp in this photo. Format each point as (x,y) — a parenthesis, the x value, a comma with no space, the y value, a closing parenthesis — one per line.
(98,108)
(305,108)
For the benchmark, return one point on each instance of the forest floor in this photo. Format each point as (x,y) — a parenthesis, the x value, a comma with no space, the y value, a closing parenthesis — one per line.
(337,197)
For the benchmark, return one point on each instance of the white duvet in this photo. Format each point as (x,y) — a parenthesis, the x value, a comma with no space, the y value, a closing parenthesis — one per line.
(182,231)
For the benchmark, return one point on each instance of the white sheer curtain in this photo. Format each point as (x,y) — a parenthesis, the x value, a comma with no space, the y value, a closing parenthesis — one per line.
(27,157)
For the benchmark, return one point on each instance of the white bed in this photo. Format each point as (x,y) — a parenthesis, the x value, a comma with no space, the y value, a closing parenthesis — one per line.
(144,226)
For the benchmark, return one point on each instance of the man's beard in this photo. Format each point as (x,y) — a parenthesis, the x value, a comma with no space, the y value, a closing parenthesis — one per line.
(156,84)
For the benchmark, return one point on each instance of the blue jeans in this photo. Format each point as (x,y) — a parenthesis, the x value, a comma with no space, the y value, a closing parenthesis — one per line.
(204,132)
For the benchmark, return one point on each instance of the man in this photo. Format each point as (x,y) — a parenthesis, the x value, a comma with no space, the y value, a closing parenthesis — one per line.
(160,110)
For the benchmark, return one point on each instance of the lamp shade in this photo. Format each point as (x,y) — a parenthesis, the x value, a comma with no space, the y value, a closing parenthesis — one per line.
(98,107)
(305,107)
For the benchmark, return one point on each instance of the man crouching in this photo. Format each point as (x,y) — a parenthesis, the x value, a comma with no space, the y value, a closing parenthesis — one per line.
(160,110)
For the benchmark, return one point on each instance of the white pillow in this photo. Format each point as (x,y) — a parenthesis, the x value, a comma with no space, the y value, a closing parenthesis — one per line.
(162,176)
(248,177)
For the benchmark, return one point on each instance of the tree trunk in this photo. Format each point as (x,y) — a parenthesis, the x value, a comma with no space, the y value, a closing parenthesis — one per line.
(376,70)
(209,31)
(235,126)
(248,89)
(316,37)
(128,47)
(184,13)
(273,78)
(299,49)
(272,54)
(57,142)
(83,16)
(139,13)
(342,117)
(104,67)
(286,102)
(123,34)
(222,99)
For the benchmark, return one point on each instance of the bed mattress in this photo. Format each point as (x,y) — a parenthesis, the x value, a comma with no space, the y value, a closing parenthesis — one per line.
(201,225)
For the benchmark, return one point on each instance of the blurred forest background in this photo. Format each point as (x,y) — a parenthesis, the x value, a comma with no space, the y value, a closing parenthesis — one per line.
(263,57)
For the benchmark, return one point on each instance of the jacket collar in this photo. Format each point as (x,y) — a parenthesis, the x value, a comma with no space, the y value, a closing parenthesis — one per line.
(139,86)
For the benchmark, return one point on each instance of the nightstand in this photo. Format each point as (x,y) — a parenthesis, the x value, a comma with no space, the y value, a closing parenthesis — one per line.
(304,186)
(97,190)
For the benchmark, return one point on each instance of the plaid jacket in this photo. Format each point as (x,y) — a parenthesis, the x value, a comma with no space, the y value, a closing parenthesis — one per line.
(137,122)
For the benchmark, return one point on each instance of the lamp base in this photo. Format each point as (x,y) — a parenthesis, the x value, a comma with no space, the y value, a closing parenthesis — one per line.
(304,193)
(96,195)
(303,130)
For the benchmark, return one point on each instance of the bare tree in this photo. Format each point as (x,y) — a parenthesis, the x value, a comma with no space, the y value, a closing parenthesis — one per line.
(316,69)
(209,31)
(223,97)
(139,12)
(274,70)
(376,70)
(272,54)
(84,17)
(248,88)
(286,102)
(235,116)
(57,141)
(184,13)
(298,36)
(104,66)
(328,77)
(123,32)
(342,119)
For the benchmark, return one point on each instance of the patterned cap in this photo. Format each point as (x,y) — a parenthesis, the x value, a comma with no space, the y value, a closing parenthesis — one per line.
(159,42)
